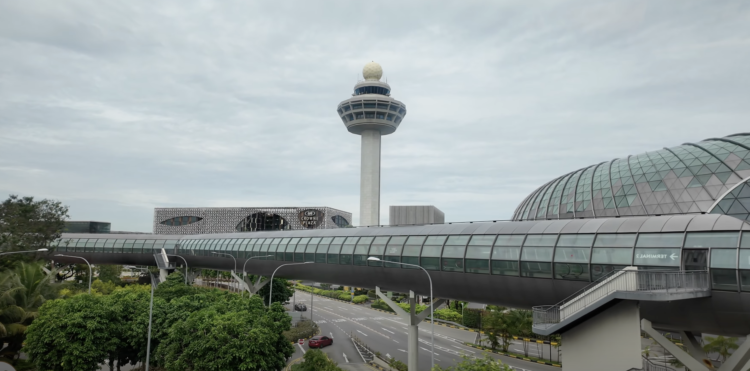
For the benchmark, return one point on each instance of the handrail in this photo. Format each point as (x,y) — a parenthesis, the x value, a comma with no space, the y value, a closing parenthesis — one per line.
(626,280)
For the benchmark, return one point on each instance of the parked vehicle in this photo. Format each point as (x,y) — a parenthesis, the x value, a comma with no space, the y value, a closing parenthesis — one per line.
(300,307)
(319,341)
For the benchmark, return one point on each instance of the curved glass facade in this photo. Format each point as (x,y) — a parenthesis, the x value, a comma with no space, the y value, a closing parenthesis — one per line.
(680,180)
(371,90)
(735,203)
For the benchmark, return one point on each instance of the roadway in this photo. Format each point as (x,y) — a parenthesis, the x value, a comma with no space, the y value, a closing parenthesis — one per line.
(387,334)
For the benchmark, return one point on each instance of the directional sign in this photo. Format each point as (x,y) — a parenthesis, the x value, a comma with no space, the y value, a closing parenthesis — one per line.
(657,257)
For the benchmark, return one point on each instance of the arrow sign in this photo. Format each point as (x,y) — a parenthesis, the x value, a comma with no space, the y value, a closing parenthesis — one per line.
(673,256)
(388,355)
(331,333)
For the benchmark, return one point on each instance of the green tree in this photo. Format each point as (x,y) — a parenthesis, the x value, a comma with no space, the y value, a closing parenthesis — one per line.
(499,328)
(103,288)
(26,224)
(721,345)
(316,360)
(522,322)
(237,335)
(109,273)
(175,287)
(467,363)
(282,291)
(22,291)
(76,334)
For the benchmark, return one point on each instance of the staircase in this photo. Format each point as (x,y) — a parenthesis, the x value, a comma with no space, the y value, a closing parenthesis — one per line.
(626,284)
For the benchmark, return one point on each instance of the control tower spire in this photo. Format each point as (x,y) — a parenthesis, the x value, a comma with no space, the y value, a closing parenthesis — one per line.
(371,113)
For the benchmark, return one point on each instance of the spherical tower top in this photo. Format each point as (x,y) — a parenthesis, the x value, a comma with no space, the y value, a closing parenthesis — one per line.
(372,72)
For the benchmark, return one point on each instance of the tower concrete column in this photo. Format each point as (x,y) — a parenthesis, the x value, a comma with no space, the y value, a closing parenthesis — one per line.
(369,198)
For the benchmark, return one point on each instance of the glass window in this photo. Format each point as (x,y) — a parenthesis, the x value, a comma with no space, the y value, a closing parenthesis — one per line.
(724,258)
(313,244)
(323,245)
(712,239)
(432,264)
(536,269)
(576,240)
(435,240)
(505,253)
(109,244)
(618,256)
(413,246)
(455,246)
(657,257)
(540,240)
(745,259)
(724,279)
(543,254)
(416,240)
(509,240)
(452,265)
(363,245)
(745,280)
(745,239)
(480,266)
(376,250)
(128,246)
(351,240)
(572,271)
(148,245)
(615,240)
(395,245)
(505,268)
(482,240)
(660,240)
(431,250)
(572,254)
(478,252)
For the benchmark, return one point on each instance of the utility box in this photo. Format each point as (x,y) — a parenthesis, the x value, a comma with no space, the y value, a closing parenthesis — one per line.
(415,215)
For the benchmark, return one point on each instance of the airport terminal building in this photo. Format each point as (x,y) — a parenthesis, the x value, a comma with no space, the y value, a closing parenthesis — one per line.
(206,220)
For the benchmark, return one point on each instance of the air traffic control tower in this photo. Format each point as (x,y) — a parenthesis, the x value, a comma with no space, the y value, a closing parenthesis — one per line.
(371,113)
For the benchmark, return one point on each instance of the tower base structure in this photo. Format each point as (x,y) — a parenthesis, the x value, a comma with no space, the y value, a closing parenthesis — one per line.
(369,200)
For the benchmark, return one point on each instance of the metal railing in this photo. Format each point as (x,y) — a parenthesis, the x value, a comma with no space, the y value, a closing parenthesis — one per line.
(627,280)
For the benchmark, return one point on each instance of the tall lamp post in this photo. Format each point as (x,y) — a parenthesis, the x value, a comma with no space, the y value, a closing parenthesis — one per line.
(150,314)
(462,314)
(270,290)
(432,309)
(233,258)
(186,265)
(87,262)
(24,252)
(247,260)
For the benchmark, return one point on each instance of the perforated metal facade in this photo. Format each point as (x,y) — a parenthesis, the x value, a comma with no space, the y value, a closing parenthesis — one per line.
(680,180)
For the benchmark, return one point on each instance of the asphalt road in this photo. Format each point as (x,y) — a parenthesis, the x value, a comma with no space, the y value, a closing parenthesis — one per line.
(387,334)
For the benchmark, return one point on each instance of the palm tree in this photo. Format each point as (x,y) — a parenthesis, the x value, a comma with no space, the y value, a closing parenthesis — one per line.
(720,345)
(22,291)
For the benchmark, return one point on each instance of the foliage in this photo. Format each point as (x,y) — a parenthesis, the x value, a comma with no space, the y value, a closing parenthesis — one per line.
(398,365)
(301,330)
(476,364)
(360,299)
(472,317)
(174,287)
(282,291)
(240,335)
(721,345)
(109,273)
(448,315)
(26,224)
(22,291)
(104,288)
(345,297)
(499,328)
(316,360)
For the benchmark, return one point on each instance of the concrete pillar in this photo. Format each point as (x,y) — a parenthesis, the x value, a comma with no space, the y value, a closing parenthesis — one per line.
(610,340)
(413,348)
(163,274)
(369,187)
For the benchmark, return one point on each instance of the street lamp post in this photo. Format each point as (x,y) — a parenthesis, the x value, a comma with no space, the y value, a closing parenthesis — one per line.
(24,252)
(270,290)
(87,262)
(150,314)
(432,309)
(233,258)
(462,314)
(186,265)
(247,260)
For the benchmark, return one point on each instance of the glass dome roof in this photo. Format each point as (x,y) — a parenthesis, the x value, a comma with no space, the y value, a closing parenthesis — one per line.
(691,178)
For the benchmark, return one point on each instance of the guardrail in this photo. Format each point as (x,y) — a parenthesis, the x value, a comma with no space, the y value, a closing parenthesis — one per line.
(627,280)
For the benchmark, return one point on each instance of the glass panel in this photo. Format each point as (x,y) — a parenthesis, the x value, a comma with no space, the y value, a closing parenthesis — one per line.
(410,250)
(744,259)
(657,257)
(431,250)
(345,259)
(745,239)
(128,246)
(360,259)
(477,266)
(505,253)
(745,279)
(724,279)
(409,260)
(394,249)
(660,240)
(572,254)
(393,259)
(453,265)
(435,240)
(478,252)
(323,246)
(612,256)
(721,239)
(536,269)
(397,241)
(109,244)
(615,240)
(415,240)
(138,247)
(543,254)
(509,240)
(381,240)
(301,245)
(347,249)
(432,264)
(351,240)
(599,270)
(376,250)
(540,240)
(724,258)
(505,268)
(574,272)
(457,240)
(576,240)
(482,240)
(453,251)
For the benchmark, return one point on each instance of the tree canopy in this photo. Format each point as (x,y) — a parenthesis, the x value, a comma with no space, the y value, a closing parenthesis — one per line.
(467,363)
(26,224)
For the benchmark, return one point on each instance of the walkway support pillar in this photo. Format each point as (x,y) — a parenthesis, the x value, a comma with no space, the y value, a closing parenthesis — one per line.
(249,286)
(590,346)
(163,275)
(413,319)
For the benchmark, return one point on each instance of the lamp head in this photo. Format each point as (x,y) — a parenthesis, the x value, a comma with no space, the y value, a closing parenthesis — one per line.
(43,249)
(214,252)
(59,255)
(372,258)
(309,262)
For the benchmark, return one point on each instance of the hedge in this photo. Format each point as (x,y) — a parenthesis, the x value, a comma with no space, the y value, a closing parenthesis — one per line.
(360,299)
(472,317)
(302,330)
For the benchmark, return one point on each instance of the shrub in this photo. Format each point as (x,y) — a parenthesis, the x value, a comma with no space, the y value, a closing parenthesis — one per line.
(471,317)
(448,315)
(346,297)
(302,330)
(360,299)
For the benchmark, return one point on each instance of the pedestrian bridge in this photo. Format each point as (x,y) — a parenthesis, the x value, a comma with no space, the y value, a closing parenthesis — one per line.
(515,264)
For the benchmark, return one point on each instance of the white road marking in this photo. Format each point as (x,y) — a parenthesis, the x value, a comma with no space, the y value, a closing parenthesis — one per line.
(395,341)
(301,348)
(345,359)
(331,333)
(361,332)
(425,349)
(403,351)
(388,330)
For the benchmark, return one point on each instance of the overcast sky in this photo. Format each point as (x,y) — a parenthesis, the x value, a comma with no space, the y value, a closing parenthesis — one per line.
(116,108)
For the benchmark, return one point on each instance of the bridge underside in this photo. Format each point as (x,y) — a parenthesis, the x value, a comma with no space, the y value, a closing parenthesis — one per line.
(723,313)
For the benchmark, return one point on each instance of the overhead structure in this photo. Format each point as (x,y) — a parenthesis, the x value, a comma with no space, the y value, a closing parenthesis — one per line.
(371,113)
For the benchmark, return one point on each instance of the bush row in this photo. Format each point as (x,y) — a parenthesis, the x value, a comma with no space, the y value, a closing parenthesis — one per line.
(444,314)
(336,294)
(302,330)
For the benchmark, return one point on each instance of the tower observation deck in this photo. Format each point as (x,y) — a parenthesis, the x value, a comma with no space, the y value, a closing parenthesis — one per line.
(371,113)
